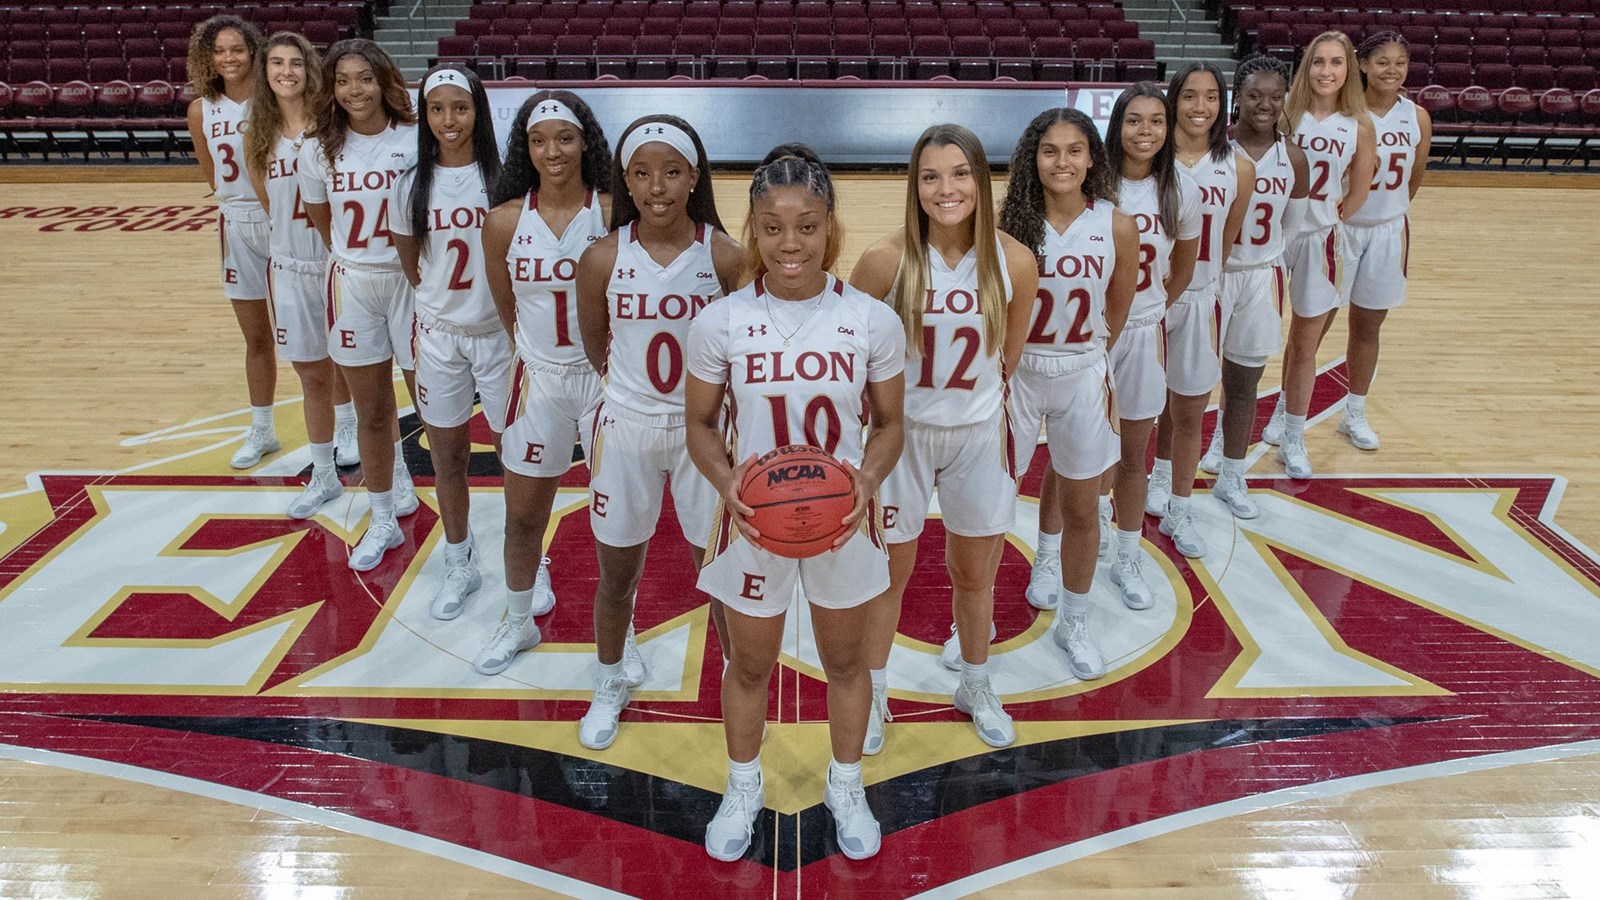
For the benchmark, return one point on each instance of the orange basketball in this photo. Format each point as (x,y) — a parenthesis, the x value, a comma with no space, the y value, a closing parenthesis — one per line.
(799,495)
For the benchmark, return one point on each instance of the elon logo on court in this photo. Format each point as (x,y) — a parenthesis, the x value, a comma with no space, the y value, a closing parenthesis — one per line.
(1359,625)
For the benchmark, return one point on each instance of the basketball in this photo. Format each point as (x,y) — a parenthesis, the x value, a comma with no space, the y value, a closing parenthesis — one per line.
(799,495)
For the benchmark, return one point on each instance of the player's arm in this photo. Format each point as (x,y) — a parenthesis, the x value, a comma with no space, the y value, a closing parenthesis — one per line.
(1124,275)
(1302,172)
(707,449)
(875,270)
(258,183)
(1181,270)
(1241,203)
(499,229)
(197,137)
(1024,271)
(727,256)
(594,318)
(321,216)
(405,243)
(1362,168)
(1419,164)
(886,437)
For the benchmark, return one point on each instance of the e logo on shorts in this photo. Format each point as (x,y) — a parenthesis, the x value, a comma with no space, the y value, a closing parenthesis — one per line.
(753,587)
(598,503)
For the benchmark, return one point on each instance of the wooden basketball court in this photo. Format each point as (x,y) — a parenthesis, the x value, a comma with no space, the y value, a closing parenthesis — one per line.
(122,357)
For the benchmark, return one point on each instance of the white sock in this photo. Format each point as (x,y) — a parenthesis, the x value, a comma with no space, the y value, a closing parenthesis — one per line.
(844,774)
(321,457)
(973,674)
(880,679)
(1049,545)
(344,413)
(1074,604)
(1233,467)
(1176,504)
(745,771)
(1128,541)
(519,603)
(1162,467)
(1294,426)
(1105,506)
(261,417)
(1355,404)
(382,503)
(604,672)
(1278,408)
(400,460)
(457,554)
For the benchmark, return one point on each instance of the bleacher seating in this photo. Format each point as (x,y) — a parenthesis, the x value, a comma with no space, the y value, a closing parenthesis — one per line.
(969,40)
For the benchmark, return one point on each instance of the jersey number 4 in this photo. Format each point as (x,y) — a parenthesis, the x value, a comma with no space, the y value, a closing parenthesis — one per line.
(358,217)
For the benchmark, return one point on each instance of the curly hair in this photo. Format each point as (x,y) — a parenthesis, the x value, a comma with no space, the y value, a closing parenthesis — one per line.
(266,118)
(203,47)
(519,176)
(702,205)
(1162,168)
(330,123)
(1023,209)
(792,165)
(1375,42)
(1218,139)
(484,152)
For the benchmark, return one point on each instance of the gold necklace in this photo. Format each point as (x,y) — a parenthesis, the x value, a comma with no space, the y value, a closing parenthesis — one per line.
(766,298)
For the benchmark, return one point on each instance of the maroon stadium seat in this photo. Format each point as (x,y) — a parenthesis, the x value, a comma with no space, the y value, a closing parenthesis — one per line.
(474,27)
(34,98)
(7,97)
(1536,78)
(74,99)
(1495,77)
(61,71)
(114,98)
(1578,79)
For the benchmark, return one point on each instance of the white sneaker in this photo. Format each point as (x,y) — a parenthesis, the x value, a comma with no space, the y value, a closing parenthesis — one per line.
(1354,426)
(1296,462)
(598,728)
(512,637)
(876,716)
(1273,433)
(1180,527)
(405,493)
(633,670)
(1105,533)
(728,835)
(1044,582)
(1235,494)
(346,451)
(1159,492)
(1211,462)
(544,596)
(1129,579)
(1071,633)
(853,822)
(381,537)
(995,727)
(320,489)
(950,656)
(459,583)
(258,442)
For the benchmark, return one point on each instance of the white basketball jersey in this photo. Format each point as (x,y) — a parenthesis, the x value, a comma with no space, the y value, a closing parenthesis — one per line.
(1399,134)
(454,288)
(1261,240)
(358,188)
(544,269)
(1330,146)
(224,121)
(1219,187)
(1141,200)
(293,236)
(1069,317)
(806,388)
(953,376)
(651,306)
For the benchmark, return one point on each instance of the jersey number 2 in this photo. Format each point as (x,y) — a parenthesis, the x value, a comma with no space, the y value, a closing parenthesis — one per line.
(1077,333)
(959,379)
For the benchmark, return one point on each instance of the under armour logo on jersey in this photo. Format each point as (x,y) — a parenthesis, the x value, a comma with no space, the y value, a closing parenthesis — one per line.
(523,239)
(624,273)
(756,330)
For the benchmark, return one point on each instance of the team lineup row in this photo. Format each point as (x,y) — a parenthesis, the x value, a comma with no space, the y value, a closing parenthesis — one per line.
(594,297)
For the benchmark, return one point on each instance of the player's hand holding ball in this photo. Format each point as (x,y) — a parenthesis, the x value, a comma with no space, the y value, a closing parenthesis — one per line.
(802,501)
(737,509)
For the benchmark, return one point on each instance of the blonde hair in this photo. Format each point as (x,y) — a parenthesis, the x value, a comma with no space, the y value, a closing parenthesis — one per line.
(1351,100)
(911,281)
(266,118)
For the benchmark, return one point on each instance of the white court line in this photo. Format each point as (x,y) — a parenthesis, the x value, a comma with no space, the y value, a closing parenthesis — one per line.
(1122,837)
(399,837)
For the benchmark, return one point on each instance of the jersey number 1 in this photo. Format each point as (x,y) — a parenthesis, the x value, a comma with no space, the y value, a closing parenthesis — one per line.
(821,406)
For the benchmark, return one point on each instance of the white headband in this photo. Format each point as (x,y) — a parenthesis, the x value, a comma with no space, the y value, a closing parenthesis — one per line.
(662,133)
(445,76)
(553,110)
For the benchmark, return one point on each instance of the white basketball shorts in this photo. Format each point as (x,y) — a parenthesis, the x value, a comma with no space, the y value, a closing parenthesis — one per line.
(1071,397)
(1252,312)
(1316,270)
(635,457)
(246,234)
(453,364)
(971,466)
(372,315)
(760,583)
(1139,368)
(1194,332)
(551,409)
(1377,257)
(300,313)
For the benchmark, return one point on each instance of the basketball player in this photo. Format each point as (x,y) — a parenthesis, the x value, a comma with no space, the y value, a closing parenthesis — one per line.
(1165,205)
(1196,322)
(1255,281)
(553,199)
(288,78)
(1060,200)
(963,290)
(639,287)
(222,64)
(364,137)
(1378,235)
(737,347)
(1327,113)
(461,346)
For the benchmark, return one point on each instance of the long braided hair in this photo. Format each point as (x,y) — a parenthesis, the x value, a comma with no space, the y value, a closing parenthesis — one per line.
(1023,209)
(791,165)
(1255,65)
